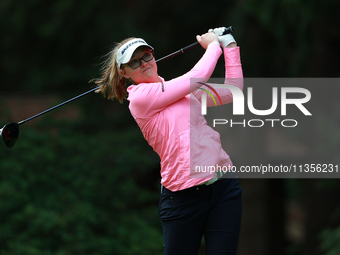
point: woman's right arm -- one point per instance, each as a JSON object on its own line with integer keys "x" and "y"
{"x": 150, "y": 98}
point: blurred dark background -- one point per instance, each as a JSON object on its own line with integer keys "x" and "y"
{"x": 82, "y": 179}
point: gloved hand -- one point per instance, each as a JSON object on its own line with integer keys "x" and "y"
{"x": 224, "y": 40}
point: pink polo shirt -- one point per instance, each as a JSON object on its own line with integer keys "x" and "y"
{"x": 171, "y": 120}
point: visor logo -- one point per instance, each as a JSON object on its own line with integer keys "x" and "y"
{"x": 130, "y": 44}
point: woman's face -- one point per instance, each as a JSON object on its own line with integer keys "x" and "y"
{"x": 146, "y": 72}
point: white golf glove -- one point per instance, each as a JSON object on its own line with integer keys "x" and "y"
{"x": 224, "y": 40}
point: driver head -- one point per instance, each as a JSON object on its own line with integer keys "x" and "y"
{"x": 10, "y": 134}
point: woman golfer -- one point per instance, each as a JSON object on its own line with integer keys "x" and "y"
{"x": 192, "y": 204}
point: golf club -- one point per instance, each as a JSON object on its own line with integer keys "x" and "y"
{"x": 10, "y": 132}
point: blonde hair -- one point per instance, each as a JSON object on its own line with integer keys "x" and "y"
{"x": 112, "y": 84}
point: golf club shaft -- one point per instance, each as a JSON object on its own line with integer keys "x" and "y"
{"x": 88, "y": 92}
{"x": 228, "y": 30}
{"x": 178, "y": 52}
{"x": 189, "y": 47}
{"x": 57, "y": 106}
{"x": 74, "y": 98}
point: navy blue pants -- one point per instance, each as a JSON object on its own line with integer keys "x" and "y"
{"x": 213, "y": 211}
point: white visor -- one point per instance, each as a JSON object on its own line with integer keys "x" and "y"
{"x": 126, "y": 51}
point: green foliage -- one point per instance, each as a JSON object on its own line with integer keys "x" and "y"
{"x": 64, "y": 191}
{"x": 330, "y": 241}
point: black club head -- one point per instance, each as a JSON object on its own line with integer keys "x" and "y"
{"x": 10, "y": 134}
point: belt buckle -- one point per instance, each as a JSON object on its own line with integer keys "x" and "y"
{"x": 211, "y": 181}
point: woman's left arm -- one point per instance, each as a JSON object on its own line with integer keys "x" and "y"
{"x": 232, "y": 59}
